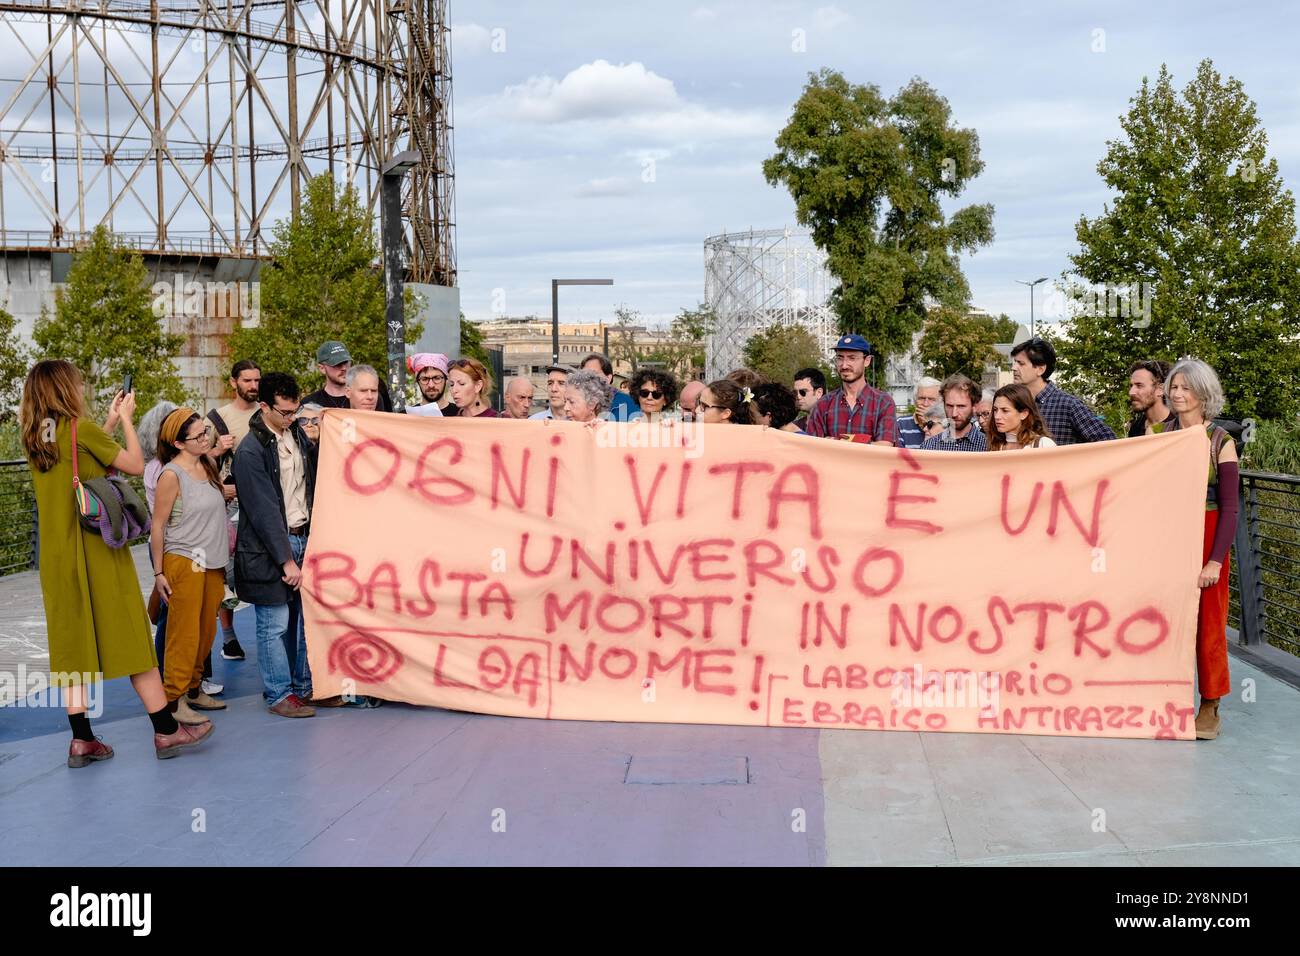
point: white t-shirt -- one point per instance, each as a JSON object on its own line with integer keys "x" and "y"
{"x": 1042, "y": 442}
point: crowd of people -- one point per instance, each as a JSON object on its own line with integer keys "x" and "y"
{"x": 232, "y": 495}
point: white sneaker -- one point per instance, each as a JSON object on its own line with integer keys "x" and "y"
{"x": 211, "y": 687}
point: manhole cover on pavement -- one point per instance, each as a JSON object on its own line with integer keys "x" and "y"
{"x": 688, "y": 769}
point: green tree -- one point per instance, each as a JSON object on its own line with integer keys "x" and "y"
{"x": 868, "y": 176}
{"x": 324, "y": 283}
{"x": 781, "y": 349}
{"x": 954, "y": 341}
{"x": 681, "y": 351}
{"x": 471, "y": 342}
{"x": 623, "y": 347}
{"x": 1003, "y": 327}
{"x": 14, "y": 362}
{"x": 105, "y": 323}
{"x": 1199, "y": 216}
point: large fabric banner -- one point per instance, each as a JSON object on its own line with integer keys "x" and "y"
{"x": 738, "y": 575}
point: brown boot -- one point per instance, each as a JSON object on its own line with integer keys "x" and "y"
{"x": 202, "y": 701}
{"x": 185, "y": 715}
{"x": 1207, "y": 719}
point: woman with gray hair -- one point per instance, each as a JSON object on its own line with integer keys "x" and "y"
{"x": 148, "y": 432}
{"x": 586, "y": 396}
{"x": 309, "y": 414}
{"x": 1194, "y": 393}
{"x": 933, "y": 421}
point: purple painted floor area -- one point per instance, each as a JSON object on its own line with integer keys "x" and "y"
{"x": 404, "y": 785}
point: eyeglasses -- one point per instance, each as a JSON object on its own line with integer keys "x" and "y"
{"x": 201, "y": 436}
{"x": 930, "y": 425}
{"x": 802, "y": 392}
{"x": 312, "y": 422}
{"x": 285, "y": 413}
{"x": 437, "y": 377}
{"x": 699, "y": 405}
{"x": 651, "y": 393}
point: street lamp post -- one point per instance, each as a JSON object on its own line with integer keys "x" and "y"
{"x": 1031, "y": 300}
{"x": 555, "y": 309}
{"x": 391, "y": 237}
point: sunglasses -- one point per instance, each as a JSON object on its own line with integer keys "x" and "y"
{"x": 651, "y": 393}
{"x": 930, "y": 425}
{"x": 802, "y": 392}
{"x": 309, "y": 422}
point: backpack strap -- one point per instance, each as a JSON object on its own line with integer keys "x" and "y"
{"x": 217, "y": 423}
{"x": 76, "y": 477}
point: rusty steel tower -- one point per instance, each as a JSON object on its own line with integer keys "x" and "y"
{"x": 189, "y": 126}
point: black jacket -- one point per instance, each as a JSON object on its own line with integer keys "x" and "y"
{"x": 262, "y": 546}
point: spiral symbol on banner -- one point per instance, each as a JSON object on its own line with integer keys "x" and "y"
{"x": 364, "y": 657}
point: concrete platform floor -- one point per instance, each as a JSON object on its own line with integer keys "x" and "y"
{"x": 418, "y": 786}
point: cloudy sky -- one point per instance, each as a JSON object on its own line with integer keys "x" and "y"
{"x": 610, "y": 139}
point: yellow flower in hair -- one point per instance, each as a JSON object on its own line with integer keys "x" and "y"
{"x": 747, "y": 395}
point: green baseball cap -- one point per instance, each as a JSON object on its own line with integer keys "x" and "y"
{"x": 332, "y": 354}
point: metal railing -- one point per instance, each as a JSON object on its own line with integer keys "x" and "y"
{"x": 144, "y": 242}
{"x": 1265, "y": 606}
{"x": 19, "y": 522}
{"x": 18, "y": 530}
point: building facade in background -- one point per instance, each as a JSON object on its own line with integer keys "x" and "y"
{"x": 525, "y": 345}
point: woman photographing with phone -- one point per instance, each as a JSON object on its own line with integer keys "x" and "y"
{"x": 93, "y": 608}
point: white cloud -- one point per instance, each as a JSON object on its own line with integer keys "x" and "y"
{"x": 704, "y": 13}
{"x": 469, "y": 38}
{"x": 626, "y": 99}
{"x": 592, "y": 91}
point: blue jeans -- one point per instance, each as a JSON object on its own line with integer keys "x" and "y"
{"x": 282, "y": 643}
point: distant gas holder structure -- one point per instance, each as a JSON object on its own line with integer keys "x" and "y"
{"x": 760, "y": 278}
{"x": 189, "y": 127}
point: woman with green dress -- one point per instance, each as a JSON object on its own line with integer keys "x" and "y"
{"x": 94, "y": 611}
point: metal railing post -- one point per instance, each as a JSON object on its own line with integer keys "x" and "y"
{"x": 1249, "y": 577}
{"x": 35, "y": 563}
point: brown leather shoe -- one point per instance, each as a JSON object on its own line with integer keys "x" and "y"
{"x": 292, "y": 706}
{"x": 82, "y": 752}
{"x": 335, "y": 701}
{"x": 187, "y": 735}
{"x": 1207, "y": 719}
{"x": 202, "y": 701}
{"x": 184, "y": 715}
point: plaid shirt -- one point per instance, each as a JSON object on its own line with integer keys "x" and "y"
{"x": 873, "y": 415}
{"x": 1069, "y": 420}
{"x": 973, "y": 440}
